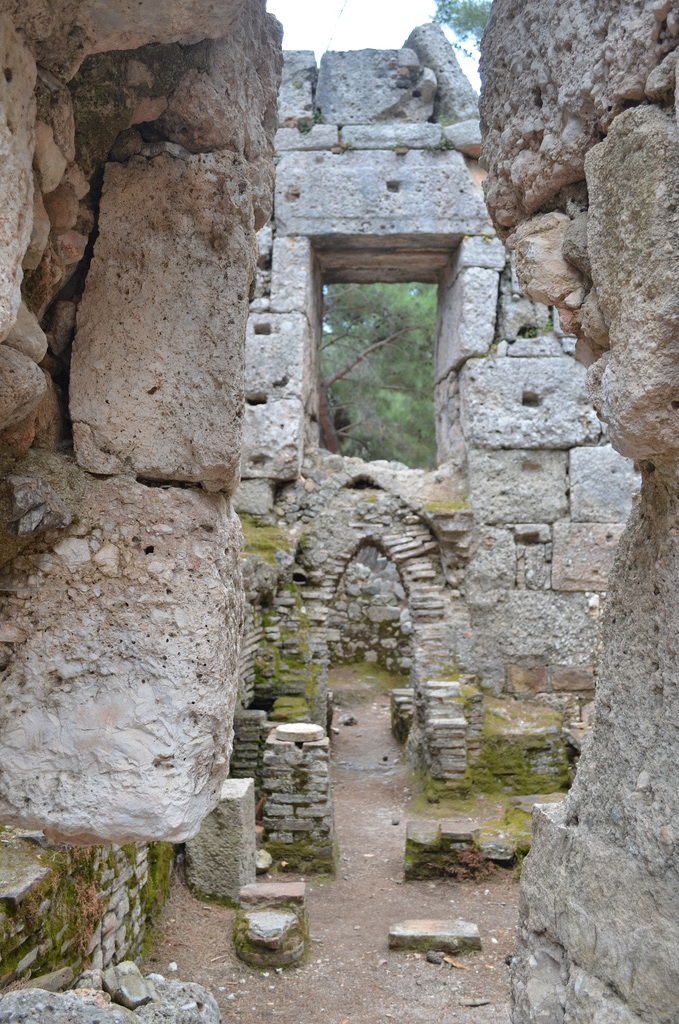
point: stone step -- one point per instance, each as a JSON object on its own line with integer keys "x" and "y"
{"x": 446, "y": 936}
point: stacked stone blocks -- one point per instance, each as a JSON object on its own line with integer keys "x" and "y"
{"x": 64, "y": 906}
{"x": 298, "y": 811}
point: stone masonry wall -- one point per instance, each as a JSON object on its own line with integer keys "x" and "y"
{"x": 369, "y": 619}
{"x": 527, "y": 506}
{"x": 583, "y": 129}
{"x": 71, "y": 907}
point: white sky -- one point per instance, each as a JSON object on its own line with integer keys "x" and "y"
{"x": 322, "y": 25}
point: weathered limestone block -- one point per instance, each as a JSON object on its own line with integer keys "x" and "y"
{"x": 515, "y": 486}
{"x": 22, "y": 386}
{"x": 465, "y": 136}
{"x": 27, "y": 336}
{"x": 481, "y": 251}
{"x": 552, "y": 88}
{"x": 64, "y": 36}
{"x": 296, "y": 93}
{"x": 362, "y": 86}
{"x": 633, "y": 232}
{"x": 273, "y": 439}
{"x": 220, "y": 860}
{"x": 127, "y": 987}
{"x": 423, "y": 934}
{"x": 272, "y": 925}
{"x": 278, "y": 357}
{"x": 449, "y": 440}
{"x": 38, "y": 1007}
{"x": 177, "y": 1002}
{"x": 156, "y": 375}
{"x": 17, "y": 116}
{"x": 385, "y": 136}
{"x": 543, "y": 272}
{"x": 542, "y": 627}
{"x": 455, "y": 98}
{"x": 254, "y": 497}
{"x": 295, "y": 286}
{"x": 602, "y": 484}
{"x": 232, "y": 105}
{"x": 467, "y": 308}
{"x": 526, "y": 403}
{"x": 35, "y": 506}
{"x": 378, "y": 193}
{"x": 517, "y": 313}
{"x": 121, "y": 675}
{"x": 583, "y": 555}
{"x": 321, "y": 136}
{"x": 599, "y": 885}
{"x": 493, "y": 566}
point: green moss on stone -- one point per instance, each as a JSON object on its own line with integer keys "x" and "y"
{"x": 506, "y": 763}
{"x": 290, "y": 709}
{"x": 263, "y": 540}
{"x": 446, "y": 506}
{"x": 302, "y": 857}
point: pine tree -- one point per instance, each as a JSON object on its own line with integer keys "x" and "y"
{"x": 377, "y": 372}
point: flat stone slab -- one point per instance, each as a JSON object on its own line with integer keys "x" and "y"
{"x": 20, "y": 873}
{"x": 299, "y": 732}
{"x": 457, "y": 832}
{"x": 448, "y": 936}
{"x": 272, "y": 893}
{"x": 423, "y": 833}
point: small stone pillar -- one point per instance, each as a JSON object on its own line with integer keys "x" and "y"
{"x": 220, "y": 860}
{"x": 272, "y": 927}
{"x": 298, "y": 813}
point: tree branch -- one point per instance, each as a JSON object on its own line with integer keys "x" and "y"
{"x": 373, "y": 348}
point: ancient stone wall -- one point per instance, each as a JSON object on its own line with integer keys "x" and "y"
{"x": 520, "y": 522}
{"x": 121, "y": 407}
{"x": 580, "y": 140}
{"x": 132, "y": 192}
{"x": 62, "y": 908}
{"x": 369, "y": 618}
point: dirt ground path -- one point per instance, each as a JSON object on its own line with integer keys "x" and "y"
{"x": 350, "y": 977}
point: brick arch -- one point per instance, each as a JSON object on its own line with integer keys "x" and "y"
{"x": 355, "y": 519}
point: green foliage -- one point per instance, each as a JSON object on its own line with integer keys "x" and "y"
{"x": 382, "y": 409}
{"x": 467, "y": 18}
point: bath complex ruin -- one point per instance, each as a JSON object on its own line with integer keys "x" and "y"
{"x": 163, "y": 317}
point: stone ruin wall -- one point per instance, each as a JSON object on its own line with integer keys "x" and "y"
{"x": 509, "y": 543}
{"x": 132, "y": 194}
{"x": 580, "y": 141}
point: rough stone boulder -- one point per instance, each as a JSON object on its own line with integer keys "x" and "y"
{"x": 556, "y": 73}
{"x": 120, "y": 673}
{"x": 633, "y": 238}
{"x": 455, "y": 98}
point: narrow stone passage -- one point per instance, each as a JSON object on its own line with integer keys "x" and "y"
{"x": 350, "y": 976}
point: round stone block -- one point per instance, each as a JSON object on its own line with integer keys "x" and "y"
{"x": 299, "y": 732}
{"x": 269, "y": 938}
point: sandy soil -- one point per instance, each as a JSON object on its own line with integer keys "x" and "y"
{"x": 350, "y": 977}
